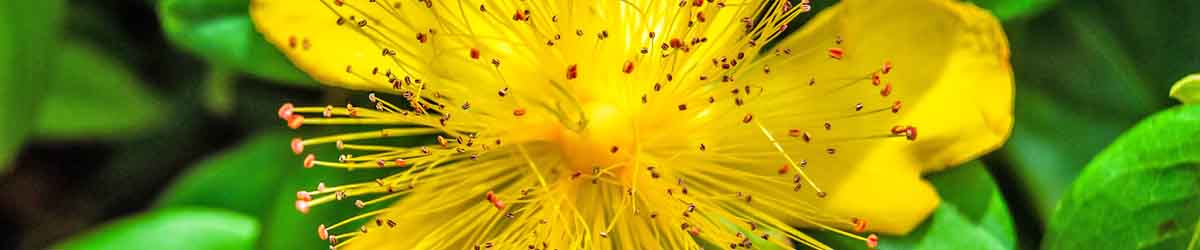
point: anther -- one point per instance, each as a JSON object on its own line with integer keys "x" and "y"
{"x": 519, "y": 112}
{"x": 821, "y": 194}
{"x": 896, "y": 107}
{"x": 858, "y": 106}
{"x": 322, "y": 232}
{"x": 872, "y": 241}
{"x": 503, "y": 92}
{"x": 302, "y": 206}
{"x": 286, "y": 111}
{"x": 295, "y": 121}
{"x": 836, "y": 53}
{"x": 613, "y": 150}
{"x": 628, "y": 68}
{"x": 297, "y": 146}
{"x": 421, "y": 37}
{"x": 573, "y": 71}
{"x": 475, "y": 53}
{"x": 860, "y": 225}
{"x": 784, "y": 169}
{"x": 309, "y": 160}
{"x": 492, "y": 198}
{"x": 682, "y": 107}
{"x": 359, "y": 203}
{"x": 400, "y": 162}
{"x": 303, "y": 195}
{"x": 702, "y": 148}
{"x": 887, "y": 90}
{"x": 887, "y": 67}
{"x": 747, "y": 118}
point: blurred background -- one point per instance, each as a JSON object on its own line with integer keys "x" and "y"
{"x": 116, "y": 108}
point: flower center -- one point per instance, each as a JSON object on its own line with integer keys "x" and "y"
{"x": 605, "y": 145}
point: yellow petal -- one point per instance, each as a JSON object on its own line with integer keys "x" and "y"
{"x": 953, "y": 75}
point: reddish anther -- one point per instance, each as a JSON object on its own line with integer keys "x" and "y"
{"x": 872, "y": 241}
{"x": 297, "y": 146}
{"x": 628, "y": 68}
{"x": 572, "y": 71}
{"x": 836, "y": 53}
{"x": 303, "y": 195}
{"x": 322, "y": 232}
{"x": 475, "y": 53}
{"x": 295, "y": 121}
{"x": 309, "y": 160}
{"x": 302, "y": 206}
{"x": 887, "y": 90}
{"x": 286, "y": 111}
{"x": 492, "y": 198}
{"x": 896, "y": 107}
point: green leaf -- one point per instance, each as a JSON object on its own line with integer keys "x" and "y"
{"x": 220, "y": 31}
{"x": 1187, "y": 90}
{"x": 94, "y": 95}
{"x": 260, "y": 178}
{"x": 1080, "y": 66}
{"x": 972, "y": 215}
{"x": 28, "y": 35}
{"x": 1142, "y": 192}
{"x": 173, "y": 228}
{"x": 1014, "y": 9}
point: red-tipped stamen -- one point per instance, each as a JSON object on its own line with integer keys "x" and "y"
{"x": 837, "y": 53}
{"x": 302, "y": 206}
{"x": 295, "y": 121}
{"x": 309, "y": 160}
{"x": 492, "y": 198}
{"x": 872, "y": 241}
{"x": 322, "y": 232}
{"x": 297, "y": 146}
{"x": 303, "y": 195}
{"x": 286, "y": 111}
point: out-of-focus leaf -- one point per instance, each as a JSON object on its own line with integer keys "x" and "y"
{"x": 28, "y": 33}
{"x": 261, "y": 178}
{"x": 219, "y": 89}
{"x": 172, "y": 228}
{"x": 1088, "y": 64}
{"x": 93, "y": 95}
{"x": 1013, "y": 9}
{"x": 1142, "y": 192}
{"x": 972, "y": 215}
{"x": 220, "y": 31}
{"x": 1187, "y": 90}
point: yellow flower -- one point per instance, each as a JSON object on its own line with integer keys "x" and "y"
{"x": 641, "y": 124}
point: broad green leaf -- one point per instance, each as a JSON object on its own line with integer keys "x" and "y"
{"x": 972, "y": 215}
{"x": 172, "y": 228}
{"x": 1142, "y": 192}
{"x": 1187, "y": 90}
{"x": 260, "y": 178}
{"x": 1014, "y": 9}
{"x": 28, "y": 35}
{"x": 1076, "y": 67}
{"x": 93, "y": 95}
{"x": 220, "y": 31}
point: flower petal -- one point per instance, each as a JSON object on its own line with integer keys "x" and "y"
{"x": 953, "y": 75}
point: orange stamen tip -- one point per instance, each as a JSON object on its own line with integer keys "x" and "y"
{"x": 492, "y": 198}
{"x": 475, "y": 53}
{"x": 860, "y": 225}
{"x": 784, "y": 169}
{"x": 572, "y": 71}
{"x": 896, "y": 107}
{"x": 519, "y": 112}
{"x": 872, "y": 241}
{"x": 400, "y": 162}
{"x": 628, "y": 68}
{"x": 837, "y": 53}
{"x": 297, "y": 145}
{"x": 322, "y": 232}
{"x": 304, "y": 196}
{"x": 875, "y": 79}
{"x": 295, "y": 121}
{"x": 912, "y": 133}
{"x": 286, "y": 110}
{"x": 309, "y": 160}
{"x": 887, "y": 67}
{"x": 302, "y": 206}
{"x": 887, "y": 90}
